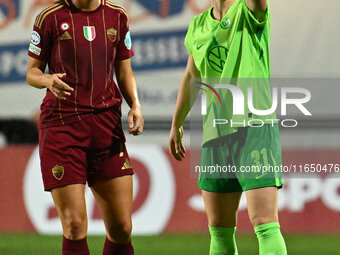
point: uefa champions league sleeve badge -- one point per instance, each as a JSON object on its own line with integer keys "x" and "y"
{"x": 128, "y": 41}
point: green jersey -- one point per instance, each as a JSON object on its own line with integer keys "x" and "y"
{"x": 233, "y": 51}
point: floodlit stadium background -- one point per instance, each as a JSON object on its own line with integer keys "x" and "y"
{"x": 305, "y": 44}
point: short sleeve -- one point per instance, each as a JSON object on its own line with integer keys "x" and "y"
{"x": 41, "y": 40}
{"x": 124, "y": 46}
{"x": 189, "y": 37}
{"x": 253, "y": 22}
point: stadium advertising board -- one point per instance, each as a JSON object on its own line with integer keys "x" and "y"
{"x": 166, "y": 199}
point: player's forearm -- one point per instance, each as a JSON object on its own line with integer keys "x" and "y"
{"x": 187, "y": 95}
{"x": 128, "y": 87}
{"x": 127, "y": 83}
{"x": 36, "y": 78}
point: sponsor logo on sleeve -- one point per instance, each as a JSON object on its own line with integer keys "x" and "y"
{"x": 35, "y": 49}
{"x": 127, "y": 41}
{"x": 35, "y": 38}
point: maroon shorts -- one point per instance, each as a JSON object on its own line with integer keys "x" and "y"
{"x": 90, "y": 149}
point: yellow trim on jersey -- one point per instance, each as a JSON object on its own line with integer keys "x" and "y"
{"x": 67, "y": 3}
{"x": 46, "y": 9}
{"x": 92, "y": 71}
{"x": 114, "y": 4}
{"x": 116, "y": 7}
{"x": 75, "y": 66}
{"x": 47, "y": 13}
{"x": 37, "y": 21}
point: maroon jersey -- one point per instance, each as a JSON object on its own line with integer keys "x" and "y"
{"x": 84, "y": 45}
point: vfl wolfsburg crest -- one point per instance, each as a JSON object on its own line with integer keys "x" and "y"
{"x": 217, "y": 56}
{"x": 89, "y": 33}
{"x": 225, "y": 23}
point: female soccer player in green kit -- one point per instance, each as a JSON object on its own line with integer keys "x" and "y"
{"x": 231, "y": 41}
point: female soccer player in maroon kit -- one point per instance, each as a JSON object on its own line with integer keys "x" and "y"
{"x": 84, "y": 42}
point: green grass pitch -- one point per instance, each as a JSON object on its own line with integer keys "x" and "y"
{"x": 169, "y": 244}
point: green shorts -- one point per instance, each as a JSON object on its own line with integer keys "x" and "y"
{"x": 248, "y": 159}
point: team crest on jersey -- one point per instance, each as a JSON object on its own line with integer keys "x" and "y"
{"x": 58, "y": 172}
{"x": 112, "y": 34}
{"x": 225, "y": 23}
{"x": 217, "y": 57}
{"x": 89, "y": 33}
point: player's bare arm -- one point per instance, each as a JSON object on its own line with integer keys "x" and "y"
{"x": 127, "y": 84}
{"x": 259, "y": 7}
{"x": 182, "y": 109}
{"x": 35, "y": 77}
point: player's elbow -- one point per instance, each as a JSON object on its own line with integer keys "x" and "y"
{"x": 28, "y": 77}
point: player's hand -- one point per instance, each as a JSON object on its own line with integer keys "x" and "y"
{"x": 136, "y": 121}
{"x": 176, "y": 147}
{"x": 59, "y": 88}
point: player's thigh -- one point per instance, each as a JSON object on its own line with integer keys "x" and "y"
{"x": 257, "y": 154}
{"x": 221, "y": 208}
{"x": 108, "y": 158}
{"x": 63, "y": 154}
{"x": 71, "y": 206}
{"x": 114, "y": 198}
{"x": 262, "y": 205}
{"x": 216, "y": 168}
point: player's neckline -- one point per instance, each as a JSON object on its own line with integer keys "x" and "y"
{"x": 225, "y": 15}
{"x": 75, "y": 8}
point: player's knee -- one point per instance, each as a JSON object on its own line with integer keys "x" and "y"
{"x": 227, "y": 221}
{"x": 259, "y": 220}
{"x": 75, "y": 226}
{"x": 121, "y": 232}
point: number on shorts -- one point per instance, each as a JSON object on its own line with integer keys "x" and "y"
{"x": 256, "y": 156}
